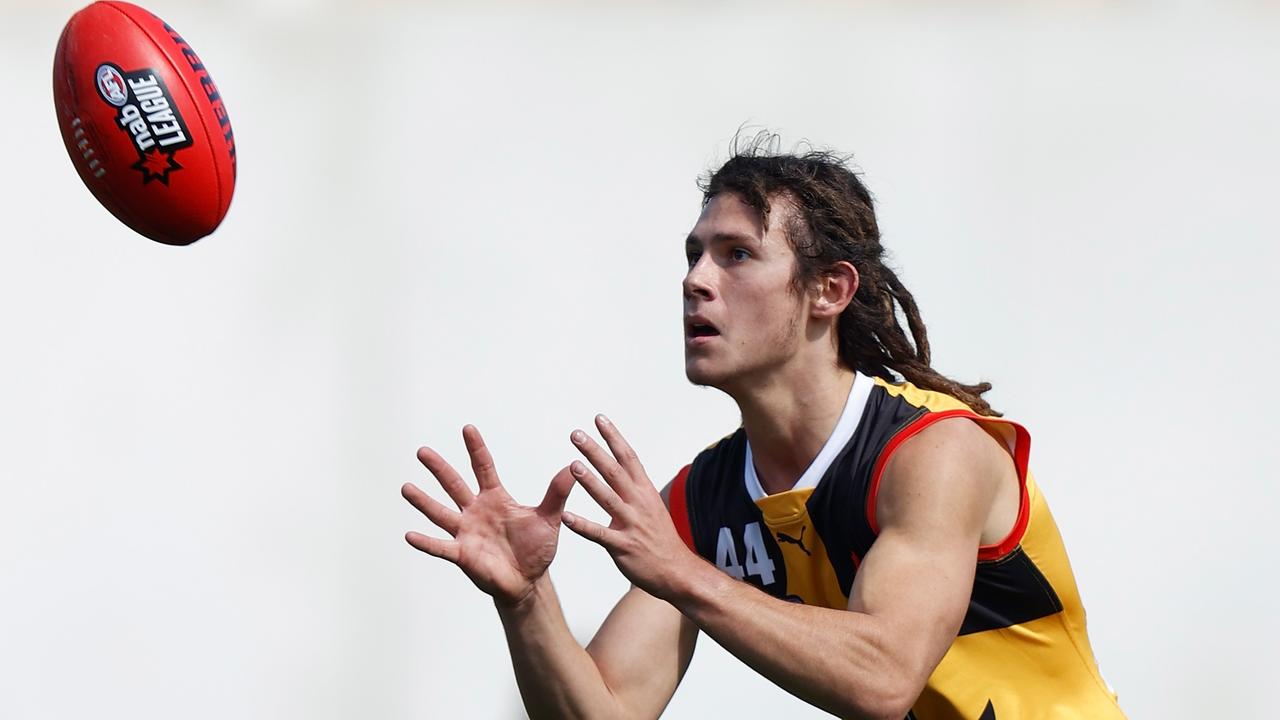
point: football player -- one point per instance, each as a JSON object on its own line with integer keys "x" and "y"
{"x": 870, "y": 539}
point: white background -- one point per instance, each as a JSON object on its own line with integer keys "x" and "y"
{"x": 475, "y": 213}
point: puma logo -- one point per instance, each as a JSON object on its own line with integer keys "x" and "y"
{"x": 785, "y": 538}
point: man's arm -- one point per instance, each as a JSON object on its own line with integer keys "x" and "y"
{"x": 632, "y": 667}
{"x": 905, "y": 607}
{"x": 629, "y": 670}
{"x": 644, "y": 648}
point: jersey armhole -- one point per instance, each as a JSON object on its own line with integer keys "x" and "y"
{"x": 678, "y": 506}
{"x": 1018, "y": 442}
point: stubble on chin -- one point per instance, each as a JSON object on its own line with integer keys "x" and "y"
{"x": 700, "y": 378}
{"x": 777, "y": 349}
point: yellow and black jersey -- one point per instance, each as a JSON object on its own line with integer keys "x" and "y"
{"x": 1022, "y": 651}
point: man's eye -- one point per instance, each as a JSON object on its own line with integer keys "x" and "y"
{"x": 692, "y": 257}
{"x": 739, "y": 255}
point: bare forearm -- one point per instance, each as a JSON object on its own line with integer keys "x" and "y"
{"x": 834, "y": 659}
{"x": 556, "y": 675}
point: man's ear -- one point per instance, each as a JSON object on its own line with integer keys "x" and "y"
{"x": 834, "y": 290}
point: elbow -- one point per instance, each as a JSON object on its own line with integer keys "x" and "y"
{"x": 892, "y": 679}
{"x": 896, "y": 705}
{"x": 893, "y": 701}
{"x": 890, "y": 696}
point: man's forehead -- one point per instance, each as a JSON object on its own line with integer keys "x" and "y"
{"x": 727, "y": 214}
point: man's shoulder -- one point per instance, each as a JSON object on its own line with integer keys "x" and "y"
{"x": 721, "y": 460}
{"x": 958, "y": 436}
{"x": 953, "y": 458}
{"x": 715, "y": 460}
{"x": 725, "y": 445}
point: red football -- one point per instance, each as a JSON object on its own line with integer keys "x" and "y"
{"x": 144, "y": 123}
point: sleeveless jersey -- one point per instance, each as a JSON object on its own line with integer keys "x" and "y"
{"x": 1022, "y": 651}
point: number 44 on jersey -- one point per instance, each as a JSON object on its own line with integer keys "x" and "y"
{"x": 758, "y": 561}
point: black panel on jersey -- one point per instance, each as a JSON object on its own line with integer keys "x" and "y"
{"x": 1007, "y": 592}
{"x": 837, "y": 505}
{"x": 717, "y": 497}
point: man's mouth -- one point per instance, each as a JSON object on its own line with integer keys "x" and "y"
{"x": 696, "y": 326}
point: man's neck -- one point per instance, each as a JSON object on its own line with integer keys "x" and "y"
{"x": 789, "y": 420}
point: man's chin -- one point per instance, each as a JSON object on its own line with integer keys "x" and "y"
{"x": 702, "y": 376}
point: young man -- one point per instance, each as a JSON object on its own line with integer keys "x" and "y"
{"x": 875, "y": 546}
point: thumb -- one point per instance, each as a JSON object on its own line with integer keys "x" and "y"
{"x": 557, "y": 493}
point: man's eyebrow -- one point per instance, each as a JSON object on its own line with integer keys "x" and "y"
{"x": 723, "y": 238}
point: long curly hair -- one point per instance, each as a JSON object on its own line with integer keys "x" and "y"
{"x": 834, "y": 220}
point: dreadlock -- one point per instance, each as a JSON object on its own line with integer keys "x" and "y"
{"x": 833, "y": 221}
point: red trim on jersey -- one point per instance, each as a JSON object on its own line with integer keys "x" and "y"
{"x": 1021, "y": 454}
{"x": 678, "y": 506}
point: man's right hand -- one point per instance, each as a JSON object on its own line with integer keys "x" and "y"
{"x": 503, "y": 546}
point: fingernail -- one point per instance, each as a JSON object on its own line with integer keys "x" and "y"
{"x": 603, "y": 420}
{"x": 578, "y": 437}
{"x": 577, "y": 468}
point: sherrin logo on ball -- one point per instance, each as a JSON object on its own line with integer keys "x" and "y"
{"x": 144, "y": 123}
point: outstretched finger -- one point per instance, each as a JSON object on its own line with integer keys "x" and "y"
{"x": 600, "y": 458}
{"x": 557, "y": 492}
{"x": 449, "y": 478}
{"x": 621, "y": 449}
{"x": 600, "y": 492}
{"x": 443, "y": 549}
{"x": 481, "y": 460}
{"x": 444, "y": 518}
{"x": 594, "y": 532}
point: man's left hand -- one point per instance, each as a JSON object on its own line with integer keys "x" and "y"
{"x": 641, "y": 537}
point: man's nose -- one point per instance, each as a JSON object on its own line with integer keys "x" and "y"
{"x": 698, "y": 281}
